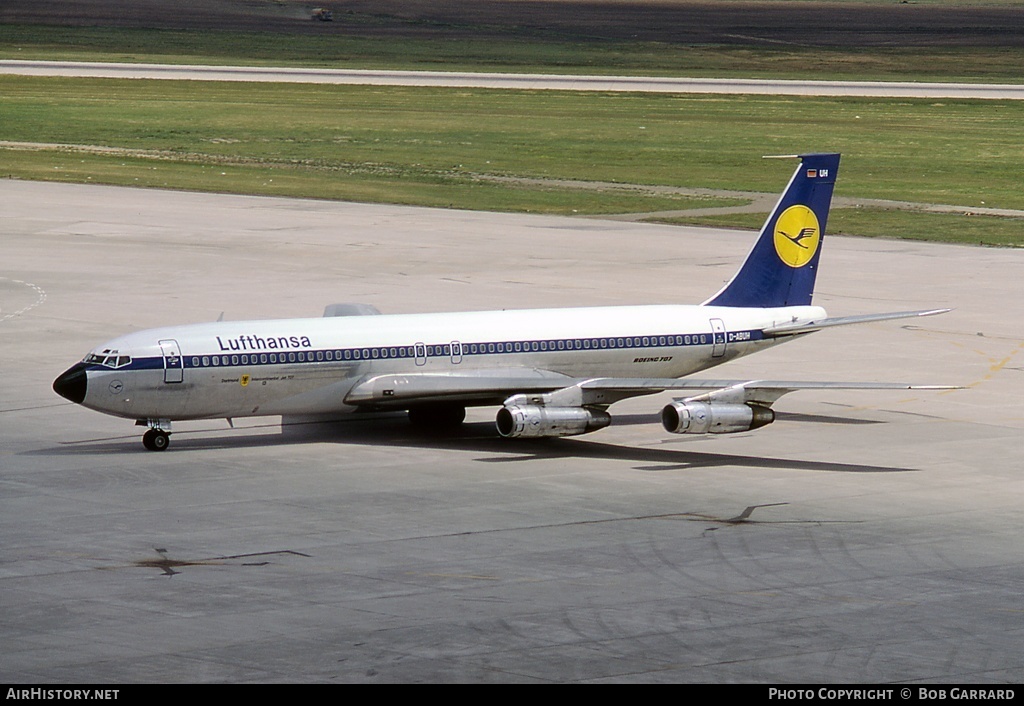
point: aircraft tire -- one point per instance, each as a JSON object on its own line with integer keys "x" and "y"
{"x": 156, "y": 440}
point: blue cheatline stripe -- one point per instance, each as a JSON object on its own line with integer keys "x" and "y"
{"x": 440, "y": 350}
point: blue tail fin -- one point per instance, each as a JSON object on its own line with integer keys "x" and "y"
{"x": 781, "y": 268}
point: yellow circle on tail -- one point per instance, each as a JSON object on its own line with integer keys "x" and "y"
{"x": 797, "y": 235}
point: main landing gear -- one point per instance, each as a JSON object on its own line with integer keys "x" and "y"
{"x": 159, "y": 435}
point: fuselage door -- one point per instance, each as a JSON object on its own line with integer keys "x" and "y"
{"x": 173, "y": 364}
{"x": 420, "y": 350}
{"x": 456, "y": 352}
{"x": 719, "y": 338}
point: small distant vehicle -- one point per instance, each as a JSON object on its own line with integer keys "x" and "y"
{"x": 323, "y": 14}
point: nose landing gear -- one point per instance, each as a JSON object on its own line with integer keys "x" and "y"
{"x": 156, "y": 439}
{"x": 159, "y": 435}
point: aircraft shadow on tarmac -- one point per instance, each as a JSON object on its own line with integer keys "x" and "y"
{"x": 394, "y": 430}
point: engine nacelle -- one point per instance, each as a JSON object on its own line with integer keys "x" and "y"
{"x": 707, "y": 418}
{"x": 531, "y": 421}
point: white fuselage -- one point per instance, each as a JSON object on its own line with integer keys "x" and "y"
{"x": 308, "y": 366}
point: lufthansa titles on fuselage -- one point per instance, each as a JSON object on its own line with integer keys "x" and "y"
{"x": 259, "y": 343}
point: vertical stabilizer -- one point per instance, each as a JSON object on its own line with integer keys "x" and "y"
{"x": 781, "y": 268}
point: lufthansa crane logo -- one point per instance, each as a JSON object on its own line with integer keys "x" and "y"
{"x": 797, "y": 235}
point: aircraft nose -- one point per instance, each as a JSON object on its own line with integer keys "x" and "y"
{"x": 72, "y": 384}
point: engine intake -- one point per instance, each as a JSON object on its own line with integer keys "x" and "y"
{"x": 531, "y": 421}
{"x": 691, "y": 417}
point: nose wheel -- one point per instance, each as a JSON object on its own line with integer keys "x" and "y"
{"x": 156, "y": 439}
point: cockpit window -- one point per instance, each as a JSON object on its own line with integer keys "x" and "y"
{"x": 108, "y": 359}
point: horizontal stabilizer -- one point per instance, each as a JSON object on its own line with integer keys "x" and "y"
{"x": 808, "y": 327}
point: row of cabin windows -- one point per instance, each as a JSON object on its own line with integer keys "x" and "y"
{"x": 446, "y": 350}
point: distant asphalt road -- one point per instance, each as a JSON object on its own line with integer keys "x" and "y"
{"x": 464, "y": 79}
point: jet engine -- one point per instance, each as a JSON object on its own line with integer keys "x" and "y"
{"x": 692, "y": 417}
{"x": 531, "y": 421}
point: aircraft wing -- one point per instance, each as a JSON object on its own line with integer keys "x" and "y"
{"x": 795, "y": 329}
{"x": 764, "y": 392}
{"x": 398, "y": 391}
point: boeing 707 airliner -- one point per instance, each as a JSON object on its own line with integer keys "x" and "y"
{"x": 550, "y": 372}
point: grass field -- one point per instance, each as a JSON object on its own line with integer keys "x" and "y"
{"x": 443, "y": 147}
